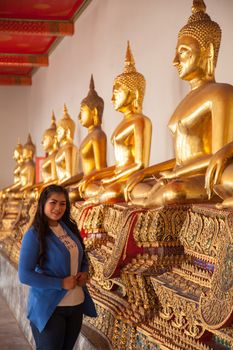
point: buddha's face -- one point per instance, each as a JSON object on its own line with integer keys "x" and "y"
{"x": 86, "y": 116}
{"x": 121, "y": 97}
{"x": 27, "y": 153}
{"x": 189, "y": 58}
{"x": 61, "y": 133}
{"x": 47, "y": 142}
{"x": 17, "y": 155}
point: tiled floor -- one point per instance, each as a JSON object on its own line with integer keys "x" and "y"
{"x": 11, "y": 337}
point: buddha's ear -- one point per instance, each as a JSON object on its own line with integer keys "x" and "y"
{"x": 135, "y": 102}
{"x": 68, "y": 133}
{"x": 95, "y": 116}
{"x": 210, "y": 60}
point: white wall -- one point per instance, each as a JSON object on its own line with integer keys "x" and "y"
{"x": 98, "y": 47}
{"x": 13, "y": 124}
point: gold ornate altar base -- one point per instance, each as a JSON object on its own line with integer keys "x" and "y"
{"x": 154, "y": 272}
{"x": 13, "y": 224}
{"x": 196, "y": 298}
{"x": 161, "y": 279}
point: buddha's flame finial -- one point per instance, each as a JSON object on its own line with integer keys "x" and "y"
{"x": 129, "y": 60}
{"x": 19, "y": 146}
{"x": 53, "y": 121}
{"x": 29, "y": 144}
{"x": 65, "y": 109}
{"x": 66, "y": 114}
{"x": 198, "y": 6}
{"x": 29, "y": 139}
{"x": 92, "y": 84}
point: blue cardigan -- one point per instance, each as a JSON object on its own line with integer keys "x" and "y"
{"x": 46, "y": 283}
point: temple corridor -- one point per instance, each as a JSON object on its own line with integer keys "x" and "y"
{"x": 11, "y": 337}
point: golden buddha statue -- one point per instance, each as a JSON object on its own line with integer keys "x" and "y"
{"x": 48, "y": 168}
{"x": 93, "y": 149}
{"x": 201, "y": 124}
{"x": 131, "y": 139}
{"x": 50, "y": 146}
{"x": 219, "y": 175}
{"x": 67, "y": 155}
{"x": 27, "y": 174}
{"x": 18, "y": 157}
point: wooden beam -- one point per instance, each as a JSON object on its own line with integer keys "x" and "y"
{"x": 24, "y": 60}
{"x": 28, "y": 27}
{"x": 15, "y": 80}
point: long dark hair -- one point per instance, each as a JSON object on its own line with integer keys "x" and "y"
{"x": 40, "y": 221}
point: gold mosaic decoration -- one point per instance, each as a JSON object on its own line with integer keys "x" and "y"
{"x": 156, "y": 227}
{"x": 216, "y": 306}
{"x": 200, "y": 233}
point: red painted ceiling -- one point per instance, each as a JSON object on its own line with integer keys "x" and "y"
{"x": 28, "y": 31}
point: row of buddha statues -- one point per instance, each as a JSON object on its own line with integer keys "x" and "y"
{"x": 201, "y": 126}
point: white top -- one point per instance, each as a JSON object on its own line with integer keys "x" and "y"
{"x": 73, "y": 296}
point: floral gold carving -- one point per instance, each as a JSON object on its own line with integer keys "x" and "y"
{"x": 216, "y": 306}
{"x": 160, "y": 225}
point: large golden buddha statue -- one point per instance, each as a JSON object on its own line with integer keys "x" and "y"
{"x": 27, "y": 174}
{"x": 67, "y": 155}
{"x": 131, "y": 139}
{"x": 93, "y": 148}
{"x": 201, "y": 124}
{"x": 50, "y": 146}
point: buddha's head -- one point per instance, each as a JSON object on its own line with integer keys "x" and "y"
{"x": 198, "y": 45}
{"x": 65, "y": 128}
{"x": 92, "y": 107}
{"x": 29, "y": 149}
{"x": 18, "y": 153}
{"x": 129, "y": 87}
{"x": 49, "y": 137}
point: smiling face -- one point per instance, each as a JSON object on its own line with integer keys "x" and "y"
{"x": 55, "y": 207}
{"x": 189, "y": 59}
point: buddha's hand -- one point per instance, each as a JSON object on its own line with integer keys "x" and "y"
{"x": 168, "y": 175}
{"x": 132, "y": 181}
{"x": 107, "y": 180}
{"x": 81, "y": 278}
{"x": 83, "y": 185}
{"x": 82, "y": 188}
{"x": 216, "y": 167}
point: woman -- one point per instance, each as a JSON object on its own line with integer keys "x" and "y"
{"x": 53, "y": 262}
